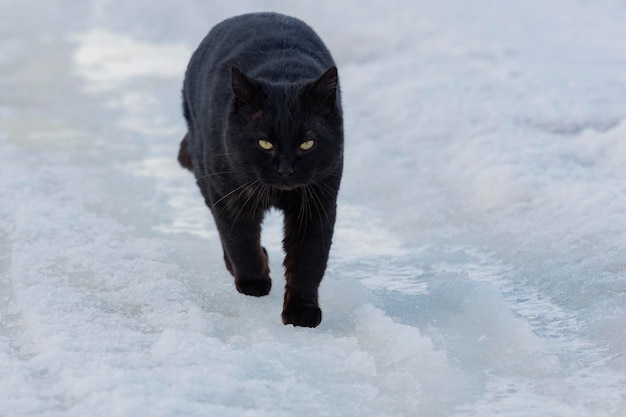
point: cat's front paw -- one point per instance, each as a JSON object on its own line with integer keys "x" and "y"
{"x": 255, "y": 287}
{"x": 302, "y": 313}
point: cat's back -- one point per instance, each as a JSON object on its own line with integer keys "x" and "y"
{"x": 257, "y": 40}
{"x": 269, "y": 46}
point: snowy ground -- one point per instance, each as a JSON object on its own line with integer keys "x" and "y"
{"x": 479, "y": 267}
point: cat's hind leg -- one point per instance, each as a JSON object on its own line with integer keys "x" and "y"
{"x": 184, "y": 157}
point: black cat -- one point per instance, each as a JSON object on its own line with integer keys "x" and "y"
{"x": 265, "y": 129}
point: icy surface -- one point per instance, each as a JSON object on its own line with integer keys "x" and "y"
{"x": 479, "y": 265}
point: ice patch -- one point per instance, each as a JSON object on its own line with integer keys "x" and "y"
{"x": 361, "y": 234}
{"x": 495, "y": 337}
{"x": 604, "y": 149}
{"x": 106, "y": 58}
{"x": 176, "y": 188}
{"x": 497, "y": 187}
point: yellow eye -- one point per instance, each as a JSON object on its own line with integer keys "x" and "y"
{"x": 266, "y": 145}
{"x": 305, "y": 146}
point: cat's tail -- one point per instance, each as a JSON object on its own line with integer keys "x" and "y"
{"x": 184, "y": 158}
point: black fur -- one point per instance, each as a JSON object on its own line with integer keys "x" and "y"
{"x": 267, "y": 76}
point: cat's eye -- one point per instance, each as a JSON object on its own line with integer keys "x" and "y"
{"x": 305, "y": 146}
{"x": 266, "y": 145}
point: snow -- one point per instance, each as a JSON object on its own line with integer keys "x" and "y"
{"x": 478, "y": 265}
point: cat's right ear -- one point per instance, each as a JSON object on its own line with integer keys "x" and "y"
{"x": 324, "y": 89}
{"x": 247, "y": 92}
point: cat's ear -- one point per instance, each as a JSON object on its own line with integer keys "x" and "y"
{"x": 324, "y": 89}
{"x": 247, "y": 92}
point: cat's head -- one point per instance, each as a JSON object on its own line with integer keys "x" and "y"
{"x": 286, "y": 135}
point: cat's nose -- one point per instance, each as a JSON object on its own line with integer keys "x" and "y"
{"x": 285, "y": 169}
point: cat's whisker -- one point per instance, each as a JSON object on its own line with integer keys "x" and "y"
{"x": 260, "y": 198}
{"x": 302, "y": 214}
{"x": 252, "y": 192}
{"x": 327, "y": 190}
{"x": 267, "y": 201}
{"x": 232, "y": 192}
{"x": 206, "y": 177}
{"x": 349, "y": 178}
{"x": 319, "y": 205}
{"x": 214, "y": 174}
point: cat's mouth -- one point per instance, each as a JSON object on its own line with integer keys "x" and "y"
{"x": 286, "y": 187}
{"x": 286, "y": 184}
{"x": 282, "y": 183}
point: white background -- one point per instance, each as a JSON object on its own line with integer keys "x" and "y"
{"x": 479, "y": 261}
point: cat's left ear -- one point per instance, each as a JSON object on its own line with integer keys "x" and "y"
{"x": 324, "y": 89}
{"x": 246, "y": 90}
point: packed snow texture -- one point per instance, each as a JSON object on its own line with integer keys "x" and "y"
{"x": 479, "y": 260}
